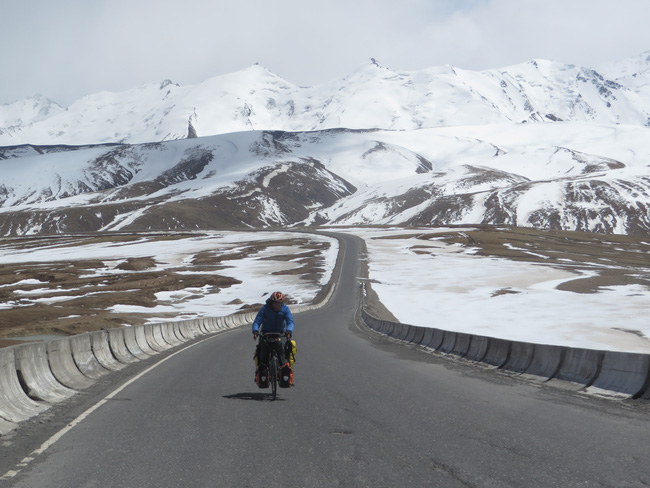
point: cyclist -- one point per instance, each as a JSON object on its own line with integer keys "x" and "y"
{"x": 274, "y": 316}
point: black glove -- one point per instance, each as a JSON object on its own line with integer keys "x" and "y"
{"x": 255, "y": 336}
{"x": 288, "y": 335}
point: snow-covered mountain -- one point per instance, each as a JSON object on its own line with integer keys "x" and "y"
{"x": 538, "y": 144}
{"x": 371, "y": 97}
{"x": 570, "y": 175}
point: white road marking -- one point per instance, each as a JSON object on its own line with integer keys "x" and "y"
{"x": 47, "y": 444}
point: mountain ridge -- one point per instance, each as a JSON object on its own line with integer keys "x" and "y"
{"x": 373, "y": 96}
{"x": 258, "y": 179}
{"x": 538, "y": 144}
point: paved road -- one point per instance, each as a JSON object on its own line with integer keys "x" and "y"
{"x": 365, "y": 412}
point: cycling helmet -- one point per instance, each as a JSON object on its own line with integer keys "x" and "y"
{"x": 278, "y": 296}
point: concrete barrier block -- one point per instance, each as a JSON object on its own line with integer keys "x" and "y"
{"x": 410, "y": 333}
{"x": 221, "y": 323}
{"x": 37, "y": 379}
{"x": 84, "y": 358}
{"x": 186, "y": 330}
{"x": 204, "y": 325}
{"x": 546, "y": 360}
{"x": 132, "y": 341}
{"x": 142, "y": 339}
{"x": 624, "y": 372}
{"x": 436, "y": 339}
{"x": 182, "y": 334}
{"x": 477, "y": 348}
{"x": 406, "y": 330}
{"x": 461, "y": 346}
{"x": 156, "y": 330}
{"x": 385, "y": 326}
{"x": 169, "y": 335}
{"x": 419, "y": 334}
{"x": 117, "y": 343}
{"x": 427, "y": 336}
{"x": 99, "y": 342}
{"x": 398, "y": 331}
{"x": 212, "y": 325}
{"x": 498, "y": 352}
{"x": 581, "y": 366}
{"x": 152, "y": 341}
{"x": 15, "y": 405}
{"x": 448, "y": 341}
{"x": 372, "y": 322}
{"x": 63, "y": 366}
{"x": 521, "y": 355}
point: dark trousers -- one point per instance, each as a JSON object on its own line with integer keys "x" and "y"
{"x": 264, "y": 351}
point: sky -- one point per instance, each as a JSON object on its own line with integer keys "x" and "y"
{"x": 70, "y": 48}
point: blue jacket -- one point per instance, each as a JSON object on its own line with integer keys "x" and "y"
{"x": 272, "y": 321}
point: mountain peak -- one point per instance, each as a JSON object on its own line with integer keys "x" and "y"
{"x": 166, "y": 83}
{"x": 376, "y": 63}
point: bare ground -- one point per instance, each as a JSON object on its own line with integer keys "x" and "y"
{"x": 90, "y": 294}
{"x": 618, "y": 260}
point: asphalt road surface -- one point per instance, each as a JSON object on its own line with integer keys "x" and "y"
{"x": 365, "y": 412}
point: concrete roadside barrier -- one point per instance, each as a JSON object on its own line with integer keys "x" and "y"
{"x": 64, "y": 369}
{"x": 546, "y": 360}
{"x": 37, "y": 378}
{"x": 436, "y": 339}
{"x": 596, "y": 371}
{"x": 410, "y": 334}
{"x": 232, "y": 321}
{"x": 580, "y": 366}
{"x": 477, "y": 348}
{"x": 156, "y": 330}
{"x": 149, "y": 339}
{"x": 84, "y": 358}
{"x": 427, "y": 336}
{"x": 15, "y": 405}
{"x": 178, "y": 332}
{"x": 208, "y": 325}
{"x": 448, "y": 341}
{"x": 188, "y": 329}
{"x": 221, "y": 323}
{"x": 214, "y": 324}
{"x": 384, "y": 326}
{"x": 419, "y": 334}
{"x": 403, "y": 332}
{"x": 624, "y": 373}
{"x": 99, "y": 342}
{"x": 167, "y": 329}
{"x": 117, "y": 343}
{"x": 133, "y": 343}
{"x": 371, "y": 321}
{"x": 203, "y": 327}
{"x": 461, "y": 346}
{"x": 498, "y": 352}
{"x": 521, "y": 355}
{"x": 390, "y": 327}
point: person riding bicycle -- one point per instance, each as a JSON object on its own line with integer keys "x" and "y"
{"x": 273, "y": 317}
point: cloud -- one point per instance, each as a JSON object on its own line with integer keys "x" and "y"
{"x": 70, "y": 48}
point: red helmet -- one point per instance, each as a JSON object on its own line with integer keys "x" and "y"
{"x": 278, "y": 296}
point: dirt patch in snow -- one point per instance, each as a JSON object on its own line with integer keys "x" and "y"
{"x": 75, "y": 296}
{"x": 598, "y": 260}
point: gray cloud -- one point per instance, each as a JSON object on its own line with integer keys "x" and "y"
{"x": 70, "y": 48}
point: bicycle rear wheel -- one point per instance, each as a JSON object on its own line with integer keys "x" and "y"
{"x": 274, "y": 372}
